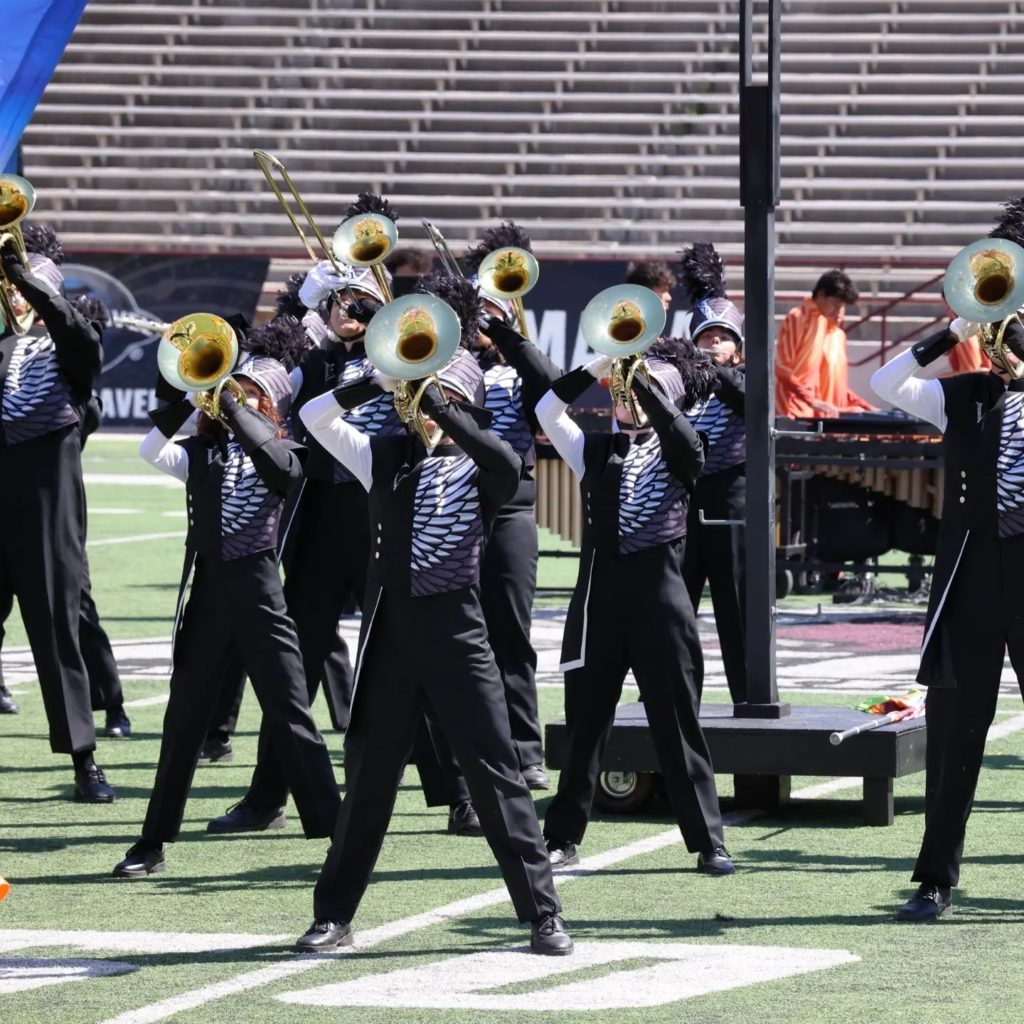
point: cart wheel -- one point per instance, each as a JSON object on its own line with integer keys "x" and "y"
{"x": 783, "y": 583}
{"x": 623, "y": 792}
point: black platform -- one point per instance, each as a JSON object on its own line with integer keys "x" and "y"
{"x": 764, "y": 753}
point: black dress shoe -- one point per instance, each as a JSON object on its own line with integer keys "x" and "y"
{"x": 324, "y": 936}
{"x": 91, "y": 786}
{"x": 216, "y": 752}
{"x": 144, "y": 858}
{"x": 117, "y": 726}
{"x": 929, "y": 903}
{"x": 717, "y": 862}
{"x": 243, "y": 817}
{"x": 8, "y": 705}
{"x": 464, "y": 821}
{"x": 562, "y": 855}
{"x": 549, "y": 937}
{"x": 535, "y": 777}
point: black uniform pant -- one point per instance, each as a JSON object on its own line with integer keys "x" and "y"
{"x": 508, "y": 582}
{"x": 240, "y": 603}
{"x": 42, "y": 510}
{"x": 434, "y": 647}
{"x": 715, "y": 555}
{"x": 639, "y": 618}
{"x": 100, "y": 664}
{"x": 105, "y": 691}
{"x": 326, "y": 575}
{"x": 985, "y": 609}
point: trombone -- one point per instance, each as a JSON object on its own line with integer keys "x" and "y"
{"x": 623, "y": 322}
{"x": 268, "y": 163}
{"x": 17, "y": 200}
{"x": 197, "y": 353}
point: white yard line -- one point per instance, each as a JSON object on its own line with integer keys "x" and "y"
{"x": 155, "y": 479}
{"x": 135, "y": 539}
{"x": 396, "y": 929}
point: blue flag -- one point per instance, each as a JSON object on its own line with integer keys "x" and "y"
{"x": 34, "y": 37}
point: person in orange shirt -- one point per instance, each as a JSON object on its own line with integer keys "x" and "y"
{"x": 811, "y": 367}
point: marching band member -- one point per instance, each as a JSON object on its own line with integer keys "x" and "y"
{"x": 46, "y": 381}
{"x": 514, "y": 381}
{"x": 330, "y": 544}
{"x": 237, "y": 479}
{"x": 654, "y": 275}
{"x": 630, "y": 608}
{"x": 973, "y": 615}
{"x": 715, "y": 554}
{"x": 424, "y": 637}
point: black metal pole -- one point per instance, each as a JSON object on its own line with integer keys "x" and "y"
{"x": 759, "y": 190}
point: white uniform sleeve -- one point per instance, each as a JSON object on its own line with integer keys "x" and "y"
{"x": 325, "y": 421}
{"x": 896, "y": 383}
{"x": 553, "y": 416}
{"x": 165, "y": 454}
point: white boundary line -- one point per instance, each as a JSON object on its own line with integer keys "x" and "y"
{"x": 384, "y": 933}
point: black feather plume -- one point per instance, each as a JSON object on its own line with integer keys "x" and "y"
{"x": 504, "y": 236}
{"x": 43, "y": 241}
{"x": 702, "y": 272}
{"x": 462, "y": 296}
{"x": 695, "y": 366}
{"x": 92, "y": 309}
{"x": 370, "y": 202}
{"x": 287, "y": 300}
{"x": 1010, "y": 223}
{"x": 282, "y": 338}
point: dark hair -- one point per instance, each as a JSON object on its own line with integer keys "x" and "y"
{"x": 836, "y": 285}
{"x": 211, "y": 429}
{"x": 412, "y": 261}
{"x": 656, "y": 276}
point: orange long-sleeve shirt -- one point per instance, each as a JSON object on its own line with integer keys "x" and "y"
{"x": 967, "y": 357}
{"x": 811, "y": 365}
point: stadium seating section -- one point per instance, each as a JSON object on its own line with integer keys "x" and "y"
{"x": 606, "y": 127}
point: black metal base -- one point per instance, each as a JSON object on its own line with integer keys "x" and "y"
{"x": 763, "y": 753}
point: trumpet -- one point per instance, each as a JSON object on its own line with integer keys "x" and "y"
{"x": 509, "y": 274}
{"x": 623, "y": 322}
{"x": 984, "y": 283}
{"x": 268, "y": 164}
{"x": 411, "y": 339}
{"x": 17, "y": 200}
{"x": 197, "y": 354}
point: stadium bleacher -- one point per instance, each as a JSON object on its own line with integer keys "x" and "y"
{"x": 606, "y": 127}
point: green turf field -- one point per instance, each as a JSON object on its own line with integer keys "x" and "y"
{"x": 813, "y": 887}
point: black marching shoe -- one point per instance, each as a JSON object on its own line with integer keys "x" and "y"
{"x": 548, "y": 936}
{"x": 216, "y": 752}
{"x": 929, "y": 903}
{"x": 535, "y": 777}
{"x": 463, "y": 820}
{"x": 8, "y": 705}
{"x": 243, "y": 817}
{"x": 562, "y": 855}
{"x": 143, "y": 859}
{"x": 717, "y": 862}
{"x": 91, "y": 786}
{"x": 117, "y": 726}
{"x": 325, "y": 936}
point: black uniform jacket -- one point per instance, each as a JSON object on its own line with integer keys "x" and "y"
{"x": 974, "y": 410}
{"x": 603, "y": 456}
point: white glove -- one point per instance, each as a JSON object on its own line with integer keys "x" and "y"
{"x": 963, "y": 329}
{"x": 319, "y": 283}
{"x": 385, "y": 383}
{"x": 599, "y": 367}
